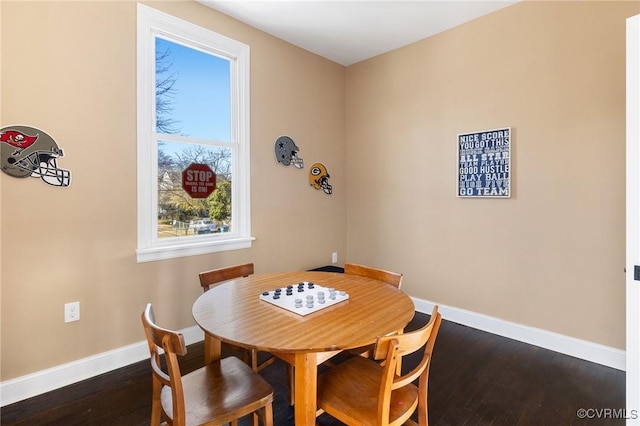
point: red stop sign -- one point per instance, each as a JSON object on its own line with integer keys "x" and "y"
{"x": 198, "y": 180}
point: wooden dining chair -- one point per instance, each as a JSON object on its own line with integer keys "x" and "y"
{"x": 218, "y": 393}
{"x": 219, "y": 275}
{"x": 361, "y": 391}
{"x": 392, "y": 278}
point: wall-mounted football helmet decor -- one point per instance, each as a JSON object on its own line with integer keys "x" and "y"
{"x": 319, "y": 177}
{"x": 287, "y": 152}
{"x": 27, "y": 151}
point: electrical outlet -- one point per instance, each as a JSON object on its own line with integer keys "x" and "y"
{"x": 334, "y": 257}
{"x": 71, "y": 311}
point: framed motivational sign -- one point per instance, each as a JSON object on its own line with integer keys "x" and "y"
{"x": 484, "y": 164}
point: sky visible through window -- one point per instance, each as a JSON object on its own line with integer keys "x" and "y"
{"x": 200, "y": 100}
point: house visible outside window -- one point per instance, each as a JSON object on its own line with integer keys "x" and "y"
{"x": 193, "y": 130}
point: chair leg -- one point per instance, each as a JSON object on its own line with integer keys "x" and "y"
{"x": 265, "y": 414}
{"x": 292, "y": 381}
{"x": 254, "y": 360}
{"x": 268, "y": 414}
{"x": 156, "y": 405}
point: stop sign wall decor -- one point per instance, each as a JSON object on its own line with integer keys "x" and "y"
{"x": 198, "y": 180}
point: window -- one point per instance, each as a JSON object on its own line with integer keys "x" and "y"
{"x": 193, "y": 126}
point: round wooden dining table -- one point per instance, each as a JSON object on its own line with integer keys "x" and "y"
{"x": 234, "y": 313}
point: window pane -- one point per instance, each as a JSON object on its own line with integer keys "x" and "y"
{"x": 192, "y": 92}
{"x": 193, "y": 107}
{"x": 178, "y": 213}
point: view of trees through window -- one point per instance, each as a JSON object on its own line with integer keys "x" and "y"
{"x": 193, "y": 125}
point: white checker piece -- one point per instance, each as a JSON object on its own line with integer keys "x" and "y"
{"x": 304, "y": 298}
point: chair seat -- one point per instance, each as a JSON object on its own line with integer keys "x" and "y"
{"x": 223, "y": 390}
{"x": 358, "y": 406}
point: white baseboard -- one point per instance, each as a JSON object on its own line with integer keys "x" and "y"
{"x": 593, "y": 352}
{"x": 37, "y": 383}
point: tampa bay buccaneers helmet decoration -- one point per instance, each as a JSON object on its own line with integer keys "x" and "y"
{"x": 27, "y": 151}
{"x": 287, "y": 152}
{"x": 319, "y": 177}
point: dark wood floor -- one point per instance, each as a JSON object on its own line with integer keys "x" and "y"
{"x": 476, "y": 379}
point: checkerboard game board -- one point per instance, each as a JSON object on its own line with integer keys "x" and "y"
{"x": 304, "y": 298}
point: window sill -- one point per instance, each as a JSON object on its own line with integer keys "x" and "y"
{"x": 176, "y": 250}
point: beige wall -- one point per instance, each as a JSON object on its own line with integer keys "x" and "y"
{"x": 552, "y": 256}
{"x": 69, "y": 68}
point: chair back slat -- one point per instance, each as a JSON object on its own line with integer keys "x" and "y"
{"x": 215, "y": 276}
{"x": 393, "y": 278}
{"x": 408, "y": 342}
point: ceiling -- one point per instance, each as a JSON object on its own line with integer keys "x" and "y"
{"x": 350, "y": 31}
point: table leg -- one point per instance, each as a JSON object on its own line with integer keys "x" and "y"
{"x": 306, "y": 380}
{"x": 212, "y": 349}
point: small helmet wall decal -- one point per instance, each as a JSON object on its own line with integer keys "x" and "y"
{"x": 287, "y": 152}
{"x": 319, "y": 177}
{"x": 30, "y": 152}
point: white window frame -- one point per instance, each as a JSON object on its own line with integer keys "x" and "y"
{"x": 151, "y": 23}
